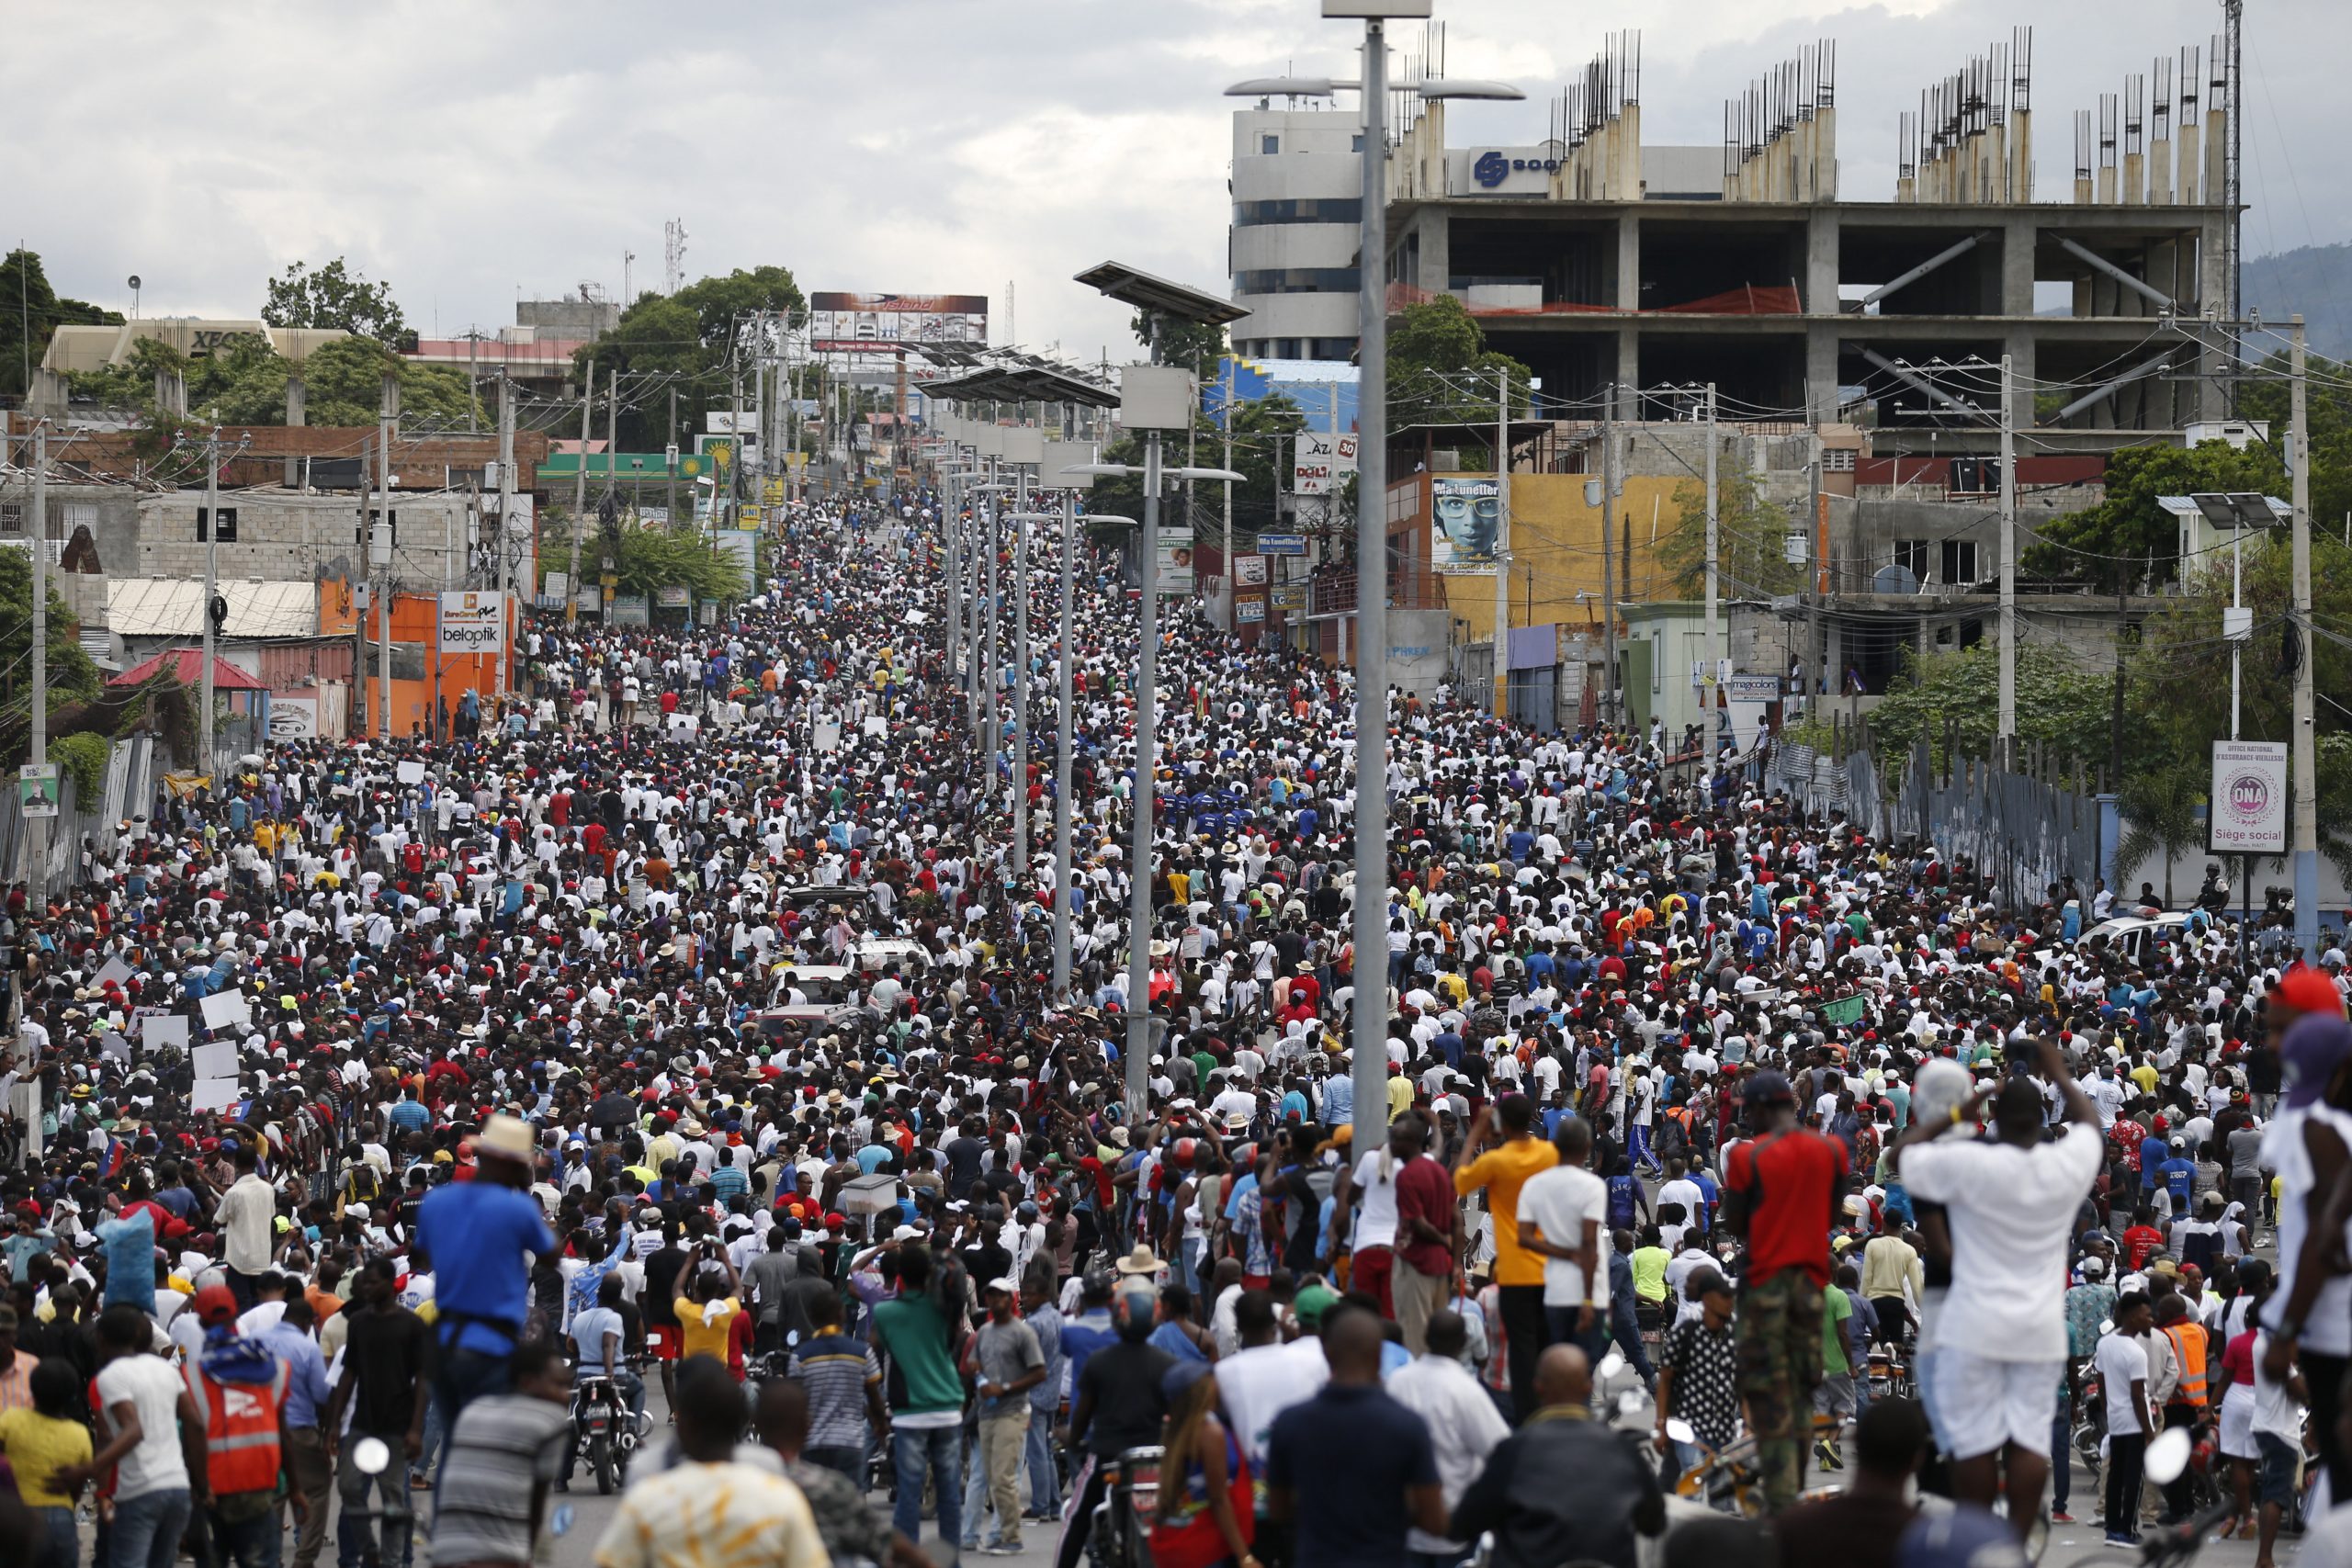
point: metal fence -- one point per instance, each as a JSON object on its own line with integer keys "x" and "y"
{"x": 1820, "y": 783}
{"x": 2024, "y": 833}
{"x": 127, "y": 790}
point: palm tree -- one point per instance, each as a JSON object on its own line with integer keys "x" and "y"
{"x": 2159, "y": 809}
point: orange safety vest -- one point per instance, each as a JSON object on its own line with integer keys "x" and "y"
{"x": 2188, "y": 1348}
{"x": 241, "y": 1446}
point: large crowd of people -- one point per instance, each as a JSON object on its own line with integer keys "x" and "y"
{"x": 686, "y": 1021}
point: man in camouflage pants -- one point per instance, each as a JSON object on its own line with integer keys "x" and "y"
{"x": 1782, "y": 1193}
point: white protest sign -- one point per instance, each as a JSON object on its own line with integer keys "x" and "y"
{"x": 226, "y": 1010}
{"x": 213, "y": 1094}
{"x": 114, "y": 973}
{"x": 160, "y": 1030}
{"x": 214, "y": 1059}
{"x": 115, "y": 1045}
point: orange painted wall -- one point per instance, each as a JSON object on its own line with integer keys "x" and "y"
{"x": 413, "y": 623}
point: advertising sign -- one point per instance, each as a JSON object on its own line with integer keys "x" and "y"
{"x": 1752, "y": 689}
{"x": 2248, "y": 814}
{"x": 294, "y": 715}
{"x": 1282, "y": 543}
{"x": 675, "y": 597}
{"x": 1249, "y": 571}
{"x": 36, "y": 789}
{"x": 630, "y": 610}
{"x": 1467, "y": 535}
{"x": 1320, "y": 462}
{"x": 1173, "y": 573}
{"x": 1287, "y": 596}
{"x": 863, "y": 330}
{"x": 473, "y": 621}
{"x": 1248, "y": 609}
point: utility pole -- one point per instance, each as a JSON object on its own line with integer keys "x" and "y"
{"x": 36, "y": 828}
{"x": 1232, "y": 584}
{"x": 613, "y": 435}
{"x": 356, "y": 709}
{"x": 1501, "y": 682}
{"x": 2007, "y": 731}
{"x": 579, "y": 496}
{"x": 2304, "y": 762}
{"x": 509, "y": 623}
{"x": 669, "y": 461}
{"x": 1608, "y": 554}
{"x": 1714, "y": 683}
{"x": 382, "y": 596}
{"x": 1816, "y": 678}
{"x": 211, "y": 539}
{"x": 1063, "y": 874}
{"x": 1020, "y": 775}
{"x": 473, "y": 379}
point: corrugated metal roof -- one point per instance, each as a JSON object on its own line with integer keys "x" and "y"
{"x": 162, "y": 606}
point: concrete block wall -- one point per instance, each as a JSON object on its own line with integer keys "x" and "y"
{"x": 289, "y": 538}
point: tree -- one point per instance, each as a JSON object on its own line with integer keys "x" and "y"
{"x": 343, "y": 384}
{"x": 719, "y": 304}
{"x": 656, "y": 345}
{"x": 71, "y": 675}
{"x": 1750, "y": 533}
{"x": 29, "y": 305}
{"x": 1188, "y": 344}
{"x": 1440, "y": 372}
{"x": 335, "y": 295}
{"x": 653, "y": 557}
{"x": 2160, "y": 806}
{"x": 2059, "y": 704}
{"x": 2128, "y": 538}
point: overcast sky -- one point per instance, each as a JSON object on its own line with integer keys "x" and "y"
{"x": 473, "y": 152}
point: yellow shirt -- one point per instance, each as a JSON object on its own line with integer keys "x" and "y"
{"x": 38, "y": 1447}
{"x": 705, "y": 1324}
{"x": 1502, "y": 1171}
{"x": 1400, "y": 1097}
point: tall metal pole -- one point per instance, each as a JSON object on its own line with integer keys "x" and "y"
{"x": 580, "y": 495}
{"x": 1064, "y": 873}
{"x": 383, "y": 599}
{"x": 1501, "y": 672}
{"x": 212, "y": 538}
{"x": 1714, "y": 687}
{"x": 1232, "y": 585}
{"x": 990, "y": 650}
{"x": 951, "y": 569}
{"x": 612, "y": 433}
{"x": 2305, "y": 763}
{"x": 356, "y": 709}
{"x": 1368, "y": 1023}
{"x": 2009, "y": 621}
{"x": 510, "y": 624}
{"x": 1020, "y": 678}
{"x": 1609, "y": 554}
{"x": 1141, "y": 802}
{"x": 36, "y": 828}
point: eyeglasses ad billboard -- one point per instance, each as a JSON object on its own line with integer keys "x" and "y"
{"x": 1466, "y": 527}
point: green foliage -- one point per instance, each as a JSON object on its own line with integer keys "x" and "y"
{"x": 1753, "y": 561}
{"x": 335, "y": 295}
{"x": 242, "y": 381}
{"x": 681, "y": 341}
{"x": 1440, "y": 372}
{"x": 2328, "y": 418}
{"x": 83, "y": 759}
{"x": 33, "y": 307}
{"x": 2160, "y": 806}
{"x": 718, "y": 303}
{"x": 2127, "y": 538}
{"x": 1188, "y": 344}
{"x": 2059, "y": 704}
{"x": 661, "y": 558}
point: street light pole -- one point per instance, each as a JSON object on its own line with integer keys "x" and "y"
{"x": 1368, "y": 1025}
{"x": 1141, "y": 800}
{"x": 1065, "y": 873}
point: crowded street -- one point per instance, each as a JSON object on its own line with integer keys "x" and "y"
{"x": 656, "y": 1123}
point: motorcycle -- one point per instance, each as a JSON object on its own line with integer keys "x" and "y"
{"x": 604, "y": 1431}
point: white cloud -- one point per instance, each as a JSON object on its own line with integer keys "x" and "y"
{"x": 467, "y": 151}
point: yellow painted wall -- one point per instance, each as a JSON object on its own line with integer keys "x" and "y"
{"x": 1556, "y": 538}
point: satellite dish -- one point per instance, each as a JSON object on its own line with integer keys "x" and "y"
{"x": 134, "y": 281}
{"x": 1895, "y": 578}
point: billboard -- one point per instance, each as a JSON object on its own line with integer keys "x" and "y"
{"x": 1466, "y": 530}
{"x": 861, "y": 332}
{"x": 2248, "y": 809}
{"x": 473, "y": 622}
{"x": 1320, "y": 462}
{"x": 1174, "y": 573}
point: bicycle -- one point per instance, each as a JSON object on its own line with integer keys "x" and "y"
{"x": 1119, "y": 1531}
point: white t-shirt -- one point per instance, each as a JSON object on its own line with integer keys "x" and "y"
{"x": 1376, "y": 1219}
{"x": 1258, "y": 1384}
{"x": 2011, "y": 1212}
{"x": 2120, "y": 1362}
{"x": 1559, "y": 1200}
{"x": 152, "y": 1388}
